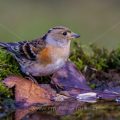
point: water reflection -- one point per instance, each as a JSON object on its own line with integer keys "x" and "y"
{"x": 98, "y": 111}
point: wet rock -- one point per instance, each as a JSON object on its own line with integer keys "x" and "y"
{"x": 27, "y": 92}
{"x": 103, "y": 80}
{"x": 69, "y": 79}
{"x": 62, "y": 96}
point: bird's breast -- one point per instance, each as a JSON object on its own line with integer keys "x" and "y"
{"x": 51, "y": 55}
{"x": 37, "y": 69}
{"x": 48, "y": 61}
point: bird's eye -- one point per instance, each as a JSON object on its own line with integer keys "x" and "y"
{"x": 64, "y": 33}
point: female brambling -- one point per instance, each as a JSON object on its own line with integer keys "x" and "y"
{"x": 45, "y": 55}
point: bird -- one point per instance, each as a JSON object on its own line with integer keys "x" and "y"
{"x": 45, "y": 55}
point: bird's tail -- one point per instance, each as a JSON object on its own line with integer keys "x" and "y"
{"x": 3, "y": 45}
{"x": 8, "y": 46}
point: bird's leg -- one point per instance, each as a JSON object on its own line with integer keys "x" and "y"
{"x": 30, "y": 77}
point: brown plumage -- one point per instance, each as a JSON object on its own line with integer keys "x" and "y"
{"x": 44, "y": 55}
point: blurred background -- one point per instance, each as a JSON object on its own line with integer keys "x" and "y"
{"x": 97, "y": 21}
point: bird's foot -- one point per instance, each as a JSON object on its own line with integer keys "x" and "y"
{"x": 32, "y": 79}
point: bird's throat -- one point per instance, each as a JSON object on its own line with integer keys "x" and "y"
{"x": 57, "y": 43}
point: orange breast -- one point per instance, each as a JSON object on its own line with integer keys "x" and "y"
{"x": 45, "y": 56}
{"x": 51, "y": 54}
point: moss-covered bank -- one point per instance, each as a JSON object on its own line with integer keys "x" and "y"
{"x": 99, "y": 59}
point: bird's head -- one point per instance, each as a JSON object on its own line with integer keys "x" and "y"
{"x": 60, "y": 36}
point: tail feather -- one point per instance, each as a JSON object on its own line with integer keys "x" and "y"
{"x": 11, "y": 47}
{"x": 3, "y": 45}
{"x": 19, "y": 49}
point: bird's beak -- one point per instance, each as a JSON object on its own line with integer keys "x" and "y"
{"x": 74, "y": 35}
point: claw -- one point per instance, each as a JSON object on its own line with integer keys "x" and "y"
{"x": 30, "y": 77}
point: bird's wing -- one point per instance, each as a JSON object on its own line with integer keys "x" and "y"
{"x": 25, "y": 49}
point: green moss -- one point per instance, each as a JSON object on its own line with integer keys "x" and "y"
{"x": 8, "y": 66}
{"x": 98, "y": 58}
{"x": 78, "y": 56}
{"x": 93, "y": 86}
{"x": 114, "y": 59}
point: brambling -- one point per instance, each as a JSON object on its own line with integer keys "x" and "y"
{"x": 45, "y": 55}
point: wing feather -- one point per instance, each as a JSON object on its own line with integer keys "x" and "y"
{"x": 25, "y": 49}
